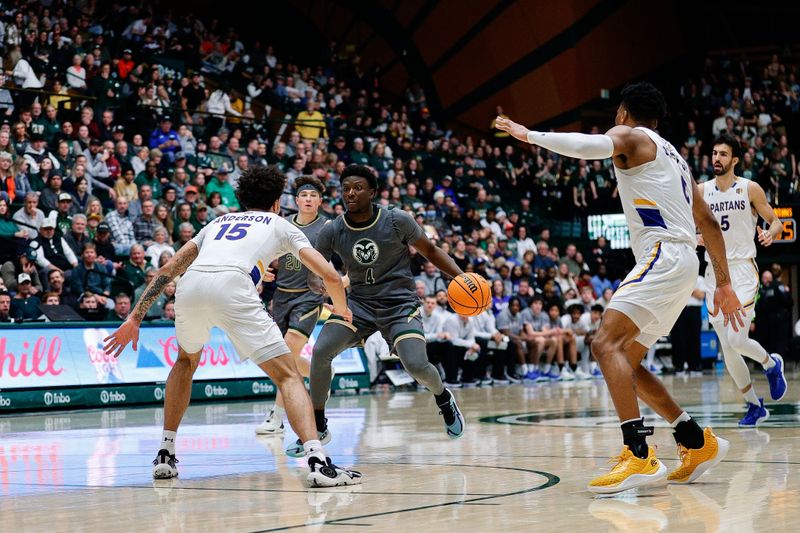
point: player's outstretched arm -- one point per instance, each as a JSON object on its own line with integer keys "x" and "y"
{"x": 577, "y": 145}
{"x": 317, "y": 264}
{"x": 725, "y": 298}
{"x": 765, "y": 211}
{"x": 437, "y": 256}
{"x": 129, "y": 330}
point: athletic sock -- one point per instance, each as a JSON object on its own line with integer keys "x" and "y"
{"x": 750, "y": 396}
{"x": 769, "y": 364}
{"x": 168, "y": 441}
{"x": 443, "y": 398}
{"x": 319, "y": 418}
{"x": 687, "y": 433}
{"x": 313, "y": 448}
{"x": 280, "y": 413}
{"x": 573, "y": 367}
{"x": 634, "y": 434}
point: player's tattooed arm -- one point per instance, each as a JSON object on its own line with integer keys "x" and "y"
{"x": 176, "y": 266}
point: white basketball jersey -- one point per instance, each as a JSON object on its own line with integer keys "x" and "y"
{"x": 657, "y": 199}
{"x": 736, "y": 218}
{"x": 247, "y": 241}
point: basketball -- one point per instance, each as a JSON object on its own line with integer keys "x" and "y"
{"x": 469, "y": 294}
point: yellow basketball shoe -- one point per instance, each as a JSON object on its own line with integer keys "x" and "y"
{"x": 629, "y": 472}
{"x": 695, "y": 463}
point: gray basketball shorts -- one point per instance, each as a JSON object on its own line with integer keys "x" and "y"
{"x": 395, "y": 322}
{"x": 297, "y": 311}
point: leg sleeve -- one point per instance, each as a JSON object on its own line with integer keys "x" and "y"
{"x": 411, "y": 350}
{"x": 333, "y": 340}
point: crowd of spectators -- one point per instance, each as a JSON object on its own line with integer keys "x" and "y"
{"x": 123, "y": 132}
{"x": 757, "y": 100}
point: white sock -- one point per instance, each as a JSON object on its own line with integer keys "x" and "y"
{"x": 280, "y": 413}
{"x": 769, "y": 364}
{"x": 168, "y": 441}
{"x": 750, "y": 396}
{"x": 314, "y": 448}
{"x": 684, "y": 417}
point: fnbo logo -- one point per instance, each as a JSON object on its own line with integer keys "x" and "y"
{"x": 5, "y": 402}
{"x": 348, "y": 383}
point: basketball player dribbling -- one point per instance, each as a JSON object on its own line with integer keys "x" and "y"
{"x": 373, "y": 242}
{"x": 662, "y": 206}
{"x": 222, "y": 265}
{"x": 736, "y": 203}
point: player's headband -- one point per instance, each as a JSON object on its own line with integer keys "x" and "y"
{"x": 307, "y": 187}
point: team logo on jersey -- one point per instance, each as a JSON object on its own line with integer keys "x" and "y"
{"x": 365, "y": 251}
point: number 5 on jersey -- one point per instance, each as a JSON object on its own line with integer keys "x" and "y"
{"x": 238, "y": 231}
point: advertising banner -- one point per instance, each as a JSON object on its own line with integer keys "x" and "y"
{"x": 69, "y": 357}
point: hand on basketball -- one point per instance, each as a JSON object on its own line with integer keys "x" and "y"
{"x": 764, "y": 237}
{"x": 518, "y": 131}
{"x": 725, "y": 300}
{"x": 117, "y": 341}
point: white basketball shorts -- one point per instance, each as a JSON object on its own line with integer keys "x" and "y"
{"x": 745, "y": 282}
{"x": 657, "y": 289}
{"x": 228, "y": 300}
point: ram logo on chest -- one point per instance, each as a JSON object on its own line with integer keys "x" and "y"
{"x": 365, "y": 251}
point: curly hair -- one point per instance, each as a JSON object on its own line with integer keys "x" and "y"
{"x": 260, "y": 187}
{"x": 644, "y": 102}
{"x": 362, "y": 171}
{"x": 310, "y": 180}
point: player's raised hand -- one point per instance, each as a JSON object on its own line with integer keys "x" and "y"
{"x": 518, "y": 131}
{"x": 117, "y": 341}
{"x": 725, "y": 300}
{"x": 764, "y": 237}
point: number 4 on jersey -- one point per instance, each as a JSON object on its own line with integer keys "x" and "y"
{"x": 370, "y": 277}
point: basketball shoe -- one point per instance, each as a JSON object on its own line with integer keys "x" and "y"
{"x": 164, "y": 465}
{"x": 271, "y": 425}
{"x": 297, "y": 450}
{"x": 453, "y": 419}
{"x": 629, "y": 472}
{"x": 776, "y": 378}
{"x": 756, "y": 413}
{"x": 327, "y": 474}
{"x": 696, "y": 462}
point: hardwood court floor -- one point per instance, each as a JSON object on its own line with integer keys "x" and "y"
{"x": 522, "y": 466}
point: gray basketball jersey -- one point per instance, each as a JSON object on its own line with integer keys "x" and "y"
{"x": 292, "y": 274}
{"x": 375, "y": 254}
